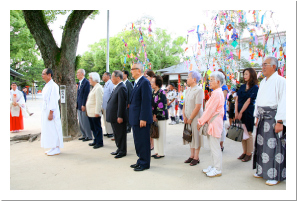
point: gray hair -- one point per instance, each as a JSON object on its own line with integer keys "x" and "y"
{"x": 273, "y": 61}
{"x": 82, "y": 71}
{"x": 196, "y": 75}
{"x": 118, "y": 73}
{"x": 218, "y": 76}
{"x": 95, "y": 76}
{"x": 140, "y": 66}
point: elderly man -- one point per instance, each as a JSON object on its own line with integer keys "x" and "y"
{"x": 83, "y": 90}
{"x": 129, "y": 87}
{"x": 108, "y": 87}
{"x": 116, "y": 113}
{"x": 51, "y": 128}
{"x": 140, "y": 117}
{"x": 270, "y": 110}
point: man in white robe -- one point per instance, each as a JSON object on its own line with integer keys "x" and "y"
{"x": 51, "y": 128}
{"x": 270, "y": 110}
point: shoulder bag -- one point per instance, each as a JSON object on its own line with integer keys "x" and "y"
{"x": 204, "y": 129}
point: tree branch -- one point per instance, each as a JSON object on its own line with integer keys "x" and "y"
{"x": 36, "y": 23}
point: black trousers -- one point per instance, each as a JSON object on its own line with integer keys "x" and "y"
{"x": 95, "y": 123}
{"x": 142, "y": 145}
{"x": 120, "y": 137}
{"x": 128, "y": 125}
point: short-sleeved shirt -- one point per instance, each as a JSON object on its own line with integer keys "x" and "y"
{"x": 171, "y": 95}
{"x": 194, "y": 95}
{"x": 247, "y": 116}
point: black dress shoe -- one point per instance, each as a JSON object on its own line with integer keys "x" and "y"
{"x": 105, "y": 134}
{"x": 134, "y": 166}
{"x": 86, "y": 139}
{"x": 139, "y": 168}
{"x": 82, "y": 138}
{"x": 128, "y": 131}
{"x": 92, "y": 144}
{"x": 114, "y": 153}
{"x": 109, "y": 135}
{"x": 97, "y": 146}
{"x": 157, "y": 157}
{"x": 120, "y": 155}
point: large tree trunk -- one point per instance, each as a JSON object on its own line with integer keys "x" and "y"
{"x": 60, "y": 60}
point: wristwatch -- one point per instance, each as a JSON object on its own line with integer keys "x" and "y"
{"x": 280, "y": 122}
{"x": 190, "y": 119}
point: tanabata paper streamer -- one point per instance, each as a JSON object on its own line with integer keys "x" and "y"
{"x": 208, "y": 72}
{"x": 234, "y": 43}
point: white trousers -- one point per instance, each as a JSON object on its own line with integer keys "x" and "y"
{"x": 172, "y": 110}
{"x": 159, "y": 143}
{"x": 108, "y": 128}
{"x": 216, "y": 153}
{"x": 223, "y": 136}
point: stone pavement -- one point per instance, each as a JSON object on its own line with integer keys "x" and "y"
{"x": 80, "y": 167}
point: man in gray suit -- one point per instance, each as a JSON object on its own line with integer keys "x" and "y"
{"x": 129, "y": 87}
{"x": 83, "y": 91}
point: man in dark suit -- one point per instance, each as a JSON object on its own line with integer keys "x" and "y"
{"x": 116, "y": 113}
{"x": 140, "y": 117}
{"x": 129, "y": 87}
{"x": 83, "y": 90}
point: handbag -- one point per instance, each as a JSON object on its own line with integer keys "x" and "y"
{"x": 154, "y": 130}
{"x": 204, "y": 129}
{"x": 235, "y": 131}
{"x": 187, "y": 133}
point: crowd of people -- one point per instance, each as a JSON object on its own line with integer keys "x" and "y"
{"x": 125, "y": 105}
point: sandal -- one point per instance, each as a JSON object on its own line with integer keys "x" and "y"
{"x": 189, "y": 160}
{"x": 194, "y": 162}
{"x": 242, "y": 156}
{"x": 157, "y": 157}
{"x": 154, "y": 155}
{"x": 247, "y": 158}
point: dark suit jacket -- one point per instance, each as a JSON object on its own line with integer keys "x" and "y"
{"x": 129, "y": 88}
{"x": 117, "y": 104}
{"x": 82, "y": 93}
{"x": 141, "y": 103}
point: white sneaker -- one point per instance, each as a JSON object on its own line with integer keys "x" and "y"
{"x": 181, "y": 121}
{"x": 207, "y": 169}
{"x": 272, "y": 182}
{"x": 214, "y": 173}
{"x": 49, "y": 150}
{"x": 56, "y": 151}
{"x": 257, "y": 176}
{"x": 173, "y": 123}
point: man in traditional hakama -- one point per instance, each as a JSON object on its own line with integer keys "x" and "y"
{"x": 17, "y": 109}
{"x": 51, "y": 128}
{"x": 270, "y": 110}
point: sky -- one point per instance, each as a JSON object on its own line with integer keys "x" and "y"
{"x": 176, "y": 22}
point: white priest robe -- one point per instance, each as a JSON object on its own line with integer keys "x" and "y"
{"x": 272, "y": 92}
{"x": 51, "y": 131}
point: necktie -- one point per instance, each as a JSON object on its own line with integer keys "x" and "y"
{"x": 78, "y": 85}
{"x": 134, "y": 85}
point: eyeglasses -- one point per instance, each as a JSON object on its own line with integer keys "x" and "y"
{"x": 134, "y": 68}
{"x": 265, "y": 64}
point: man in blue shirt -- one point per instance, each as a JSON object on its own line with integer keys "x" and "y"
{"x": 108, "y": 87}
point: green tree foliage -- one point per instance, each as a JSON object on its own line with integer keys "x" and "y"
{"x": 23, "y": 49}
{"x": 162, "y": 51}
